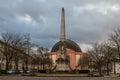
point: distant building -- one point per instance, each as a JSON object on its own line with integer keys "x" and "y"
{"x": 115, "y": 66}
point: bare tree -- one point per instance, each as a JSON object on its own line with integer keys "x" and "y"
{"x": 36, "y": 61}
{"x": 7, "y": 51}
{"x": 48, "y": 62}
{"x": 12, "y": 47}
{"x": 102, "y": 56}
{"x": 115, "y": 39}
{"x": 27, "y": 48}
{"x": 107, "y": 50}
{"x": 18, "y": 42}
{"x": 96, "y": 57}
{"x": 42, "y": 51}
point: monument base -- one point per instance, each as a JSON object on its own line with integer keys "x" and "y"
{"x": 62, "y": 65}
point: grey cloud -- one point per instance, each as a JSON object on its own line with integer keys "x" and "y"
{"x": 84, "y": 28}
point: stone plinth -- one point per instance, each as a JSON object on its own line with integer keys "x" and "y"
{"x": 62, "y": 65}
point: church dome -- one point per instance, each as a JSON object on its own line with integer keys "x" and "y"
{"x": 69, "y": 43}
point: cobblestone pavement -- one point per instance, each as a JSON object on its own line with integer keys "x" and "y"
{"x": 13, "y": 77}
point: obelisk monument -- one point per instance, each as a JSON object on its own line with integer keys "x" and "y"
{"x": 62, "y": 35}
{"x": 62, "y": 46}
{"x": 62, "y": 63}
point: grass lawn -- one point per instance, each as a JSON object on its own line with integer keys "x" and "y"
{"x": 58, "y": 75}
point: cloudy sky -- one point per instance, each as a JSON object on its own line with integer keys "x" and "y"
{"x": 87, "y": 21}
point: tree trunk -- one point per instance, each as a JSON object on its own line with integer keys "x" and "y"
{"x": 43, "y": 64}
{"x": 34, "y": 66}
{"x": 114, "y": 67}
{"x": 16, "y": 64}
{"x": 100, "y": 71}
{"x": 107, "y": 68}
{"x": 26, "y": 65}
{"x": 23, "y": 67}
{"x": 7, "y": 66}
{"x": 1, "y": 64}
{"x": 99, "y": 68}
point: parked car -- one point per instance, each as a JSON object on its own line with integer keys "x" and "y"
{"x": 21, "y": 71}
{"x": 11, "y": 71}
{"x": 14, "y": 71}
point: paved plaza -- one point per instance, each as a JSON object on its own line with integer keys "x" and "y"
{"x": 18, "y": 77}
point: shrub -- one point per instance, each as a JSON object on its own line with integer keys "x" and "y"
{"x": 42, "y": 71}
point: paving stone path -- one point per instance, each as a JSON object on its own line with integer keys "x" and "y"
{"x": 13, "y": 77}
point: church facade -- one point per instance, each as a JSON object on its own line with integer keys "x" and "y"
{"x": 73, "y": 53}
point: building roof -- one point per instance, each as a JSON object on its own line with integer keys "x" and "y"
{"x": 69, "y": 43}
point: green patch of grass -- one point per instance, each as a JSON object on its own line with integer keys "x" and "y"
{"x": 53, "y": 75}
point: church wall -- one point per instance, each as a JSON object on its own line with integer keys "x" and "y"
{"x": 71, "y": 55}
{"x": 72, "y": 60}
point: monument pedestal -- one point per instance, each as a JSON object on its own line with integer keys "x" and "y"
{"x": 62, "y": 65}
